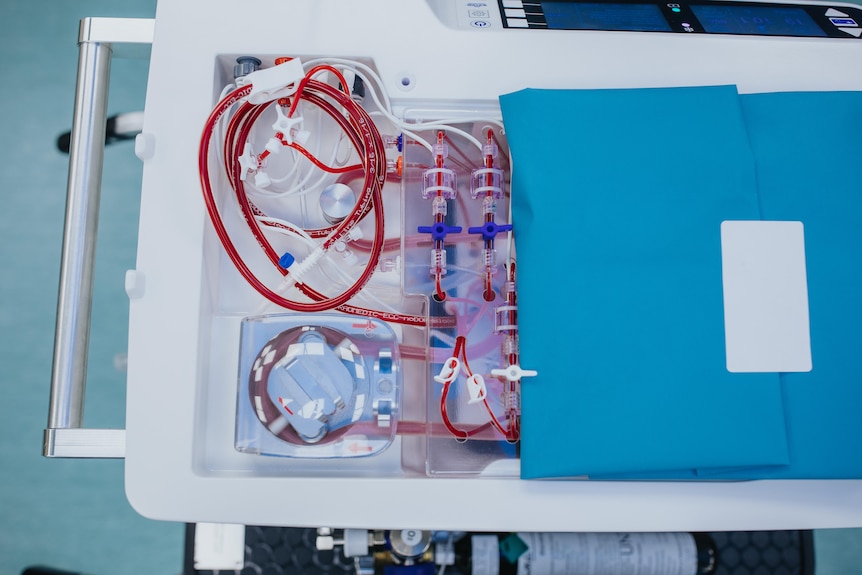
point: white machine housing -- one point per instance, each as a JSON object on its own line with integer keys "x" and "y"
{"x": 180, "y": 460}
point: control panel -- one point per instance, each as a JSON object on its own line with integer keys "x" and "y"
{"x": 701, "y": 17}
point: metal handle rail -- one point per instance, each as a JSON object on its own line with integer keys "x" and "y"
{"x": 65, "y": 437}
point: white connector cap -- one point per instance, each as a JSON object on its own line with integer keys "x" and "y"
{"x": 514, "y": 372}
{"x": 276, "y": 82}
{"x": 355, "y": 542}
{"x": 247, "y": 161}
{"x": 325, "y": 543}
{"x": 274, "y": 145}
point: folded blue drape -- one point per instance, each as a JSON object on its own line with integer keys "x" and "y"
{"x": 618, "y": 197}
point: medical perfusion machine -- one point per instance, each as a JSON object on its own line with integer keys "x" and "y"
{"x": 351, "y": 210}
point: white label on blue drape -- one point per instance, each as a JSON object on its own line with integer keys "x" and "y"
{"x": 765, "y": 296}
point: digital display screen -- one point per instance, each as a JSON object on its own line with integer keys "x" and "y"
{"x": 594, "y": 16}
{"x": 759, "y": 20}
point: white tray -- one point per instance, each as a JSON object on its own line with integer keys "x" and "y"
{"x": 180, "y": 460}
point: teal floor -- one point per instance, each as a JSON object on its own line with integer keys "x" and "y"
{"x": 64, "y": 513}
{"x": 838, "y": 551}
{"x": 73, "y": 514}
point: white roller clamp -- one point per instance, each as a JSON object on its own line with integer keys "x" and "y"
{"x": 449, "y": 372}
{"x": 476, "y": 388}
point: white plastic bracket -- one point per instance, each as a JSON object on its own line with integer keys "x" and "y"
{"x": 276, "y": 82}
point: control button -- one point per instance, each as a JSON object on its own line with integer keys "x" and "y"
{"x": 517, "y": 23}
{"x": 479, "y": 14}
{"x": 834, "y": 12}
{"x": 480, "y": 24}
{"x": 843, "y": 21}
{"x": 515, "y": 13}
{"x": 513, "y": 4}
{"x": 852, "y": 31}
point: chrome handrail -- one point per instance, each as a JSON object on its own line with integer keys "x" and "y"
{"x": 64, "y": 436}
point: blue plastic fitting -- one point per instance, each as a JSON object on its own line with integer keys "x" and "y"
{"x": 286, "y": 260}
{"x": 489, "y": 230}
{"x": 439, "y": 230}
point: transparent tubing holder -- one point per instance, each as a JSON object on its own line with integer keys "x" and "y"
{"x": 317, "y": 386}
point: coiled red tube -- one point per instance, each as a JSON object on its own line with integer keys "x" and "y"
{"x": 363, "y": 135}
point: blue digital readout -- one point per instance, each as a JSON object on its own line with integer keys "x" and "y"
{"x": 758, "y": 20}
{"x": 595, "y": 16}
